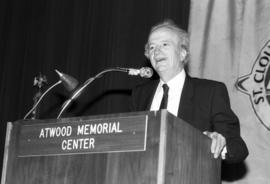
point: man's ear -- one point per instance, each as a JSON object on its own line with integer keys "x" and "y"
{"x": 146, "y": 54}
{"x": 183, "y": 54}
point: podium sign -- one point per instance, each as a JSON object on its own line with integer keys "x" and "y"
{"x": 83, "y": 136}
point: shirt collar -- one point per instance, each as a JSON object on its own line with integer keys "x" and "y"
{"x": 174, "y": 82}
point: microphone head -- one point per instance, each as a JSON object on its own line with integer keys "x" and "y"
{"x": 69, "y": 82}
{"x": 146, "y": 72}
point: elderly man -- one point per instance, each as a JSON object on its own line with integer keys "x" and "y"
{"x": 202, "y": 103}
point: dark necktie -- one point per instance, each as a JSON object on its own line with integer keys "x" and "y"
{"x": 164, "y": 100}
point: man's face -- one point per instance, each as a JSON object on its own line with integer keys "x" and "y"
{"x": 165, "y": 52}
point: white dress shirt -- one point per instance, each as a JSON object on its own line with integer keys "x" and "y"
{"x": 175, "y": 90}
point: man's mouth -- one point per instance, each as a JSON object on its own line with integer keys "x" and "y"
{"x": 158, "y": 60}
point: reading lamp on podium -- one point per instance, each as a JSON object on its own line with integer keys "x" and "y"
{"x": 144, "y": 72}
{"x": 69, "y": 83}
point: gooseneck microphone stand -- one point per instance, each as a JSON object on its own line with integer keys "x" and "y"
{"x": 69, "y": 83}
{"x": 78, "y": 92}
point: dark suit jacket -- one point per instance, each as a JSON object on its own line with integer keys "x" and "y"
{"x": 204, "y": 104}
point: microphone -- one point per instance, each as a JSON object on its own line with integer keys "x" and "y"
{"x": 69, "y": 83}
{"x": 145, "y": 72}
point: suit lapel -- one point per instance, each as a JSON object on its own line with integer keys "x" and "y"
{"x": 144, "y": 95}
{"x": 150, "y": 96}
{"x": 185, "y": 110}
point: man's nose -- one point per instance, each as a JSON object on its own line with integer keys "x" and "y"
{"x": 157, "y": 50}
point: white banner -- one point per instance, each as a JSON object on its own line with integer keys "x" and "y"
{"x": 230, "y": 43}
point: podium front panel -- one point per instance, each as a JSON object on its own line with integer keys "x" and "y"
{"x": 142, "y": 148}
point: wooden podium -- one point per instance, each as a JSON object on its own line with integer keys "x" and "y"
{"x": 127, "y": 148}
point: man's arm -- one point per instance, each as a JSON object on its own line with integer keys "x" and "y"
{"x": 226, "y": 127}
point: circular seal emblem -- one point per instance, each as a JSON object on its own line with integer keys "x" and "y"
{"x": 257, "y": 85}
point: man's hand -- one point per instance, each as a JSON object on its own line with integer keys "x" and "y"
{"x": 218, "y": 145}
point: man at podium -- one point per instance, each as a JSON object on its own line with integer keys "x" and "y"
{"x": 203, "y": 103}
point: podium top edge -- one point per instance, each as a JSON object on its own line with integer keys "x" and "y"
{"x": 99, "y": 116}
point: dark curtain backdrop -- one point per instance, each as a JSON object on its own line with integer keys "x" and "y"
{"x": 80, "y": 38}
